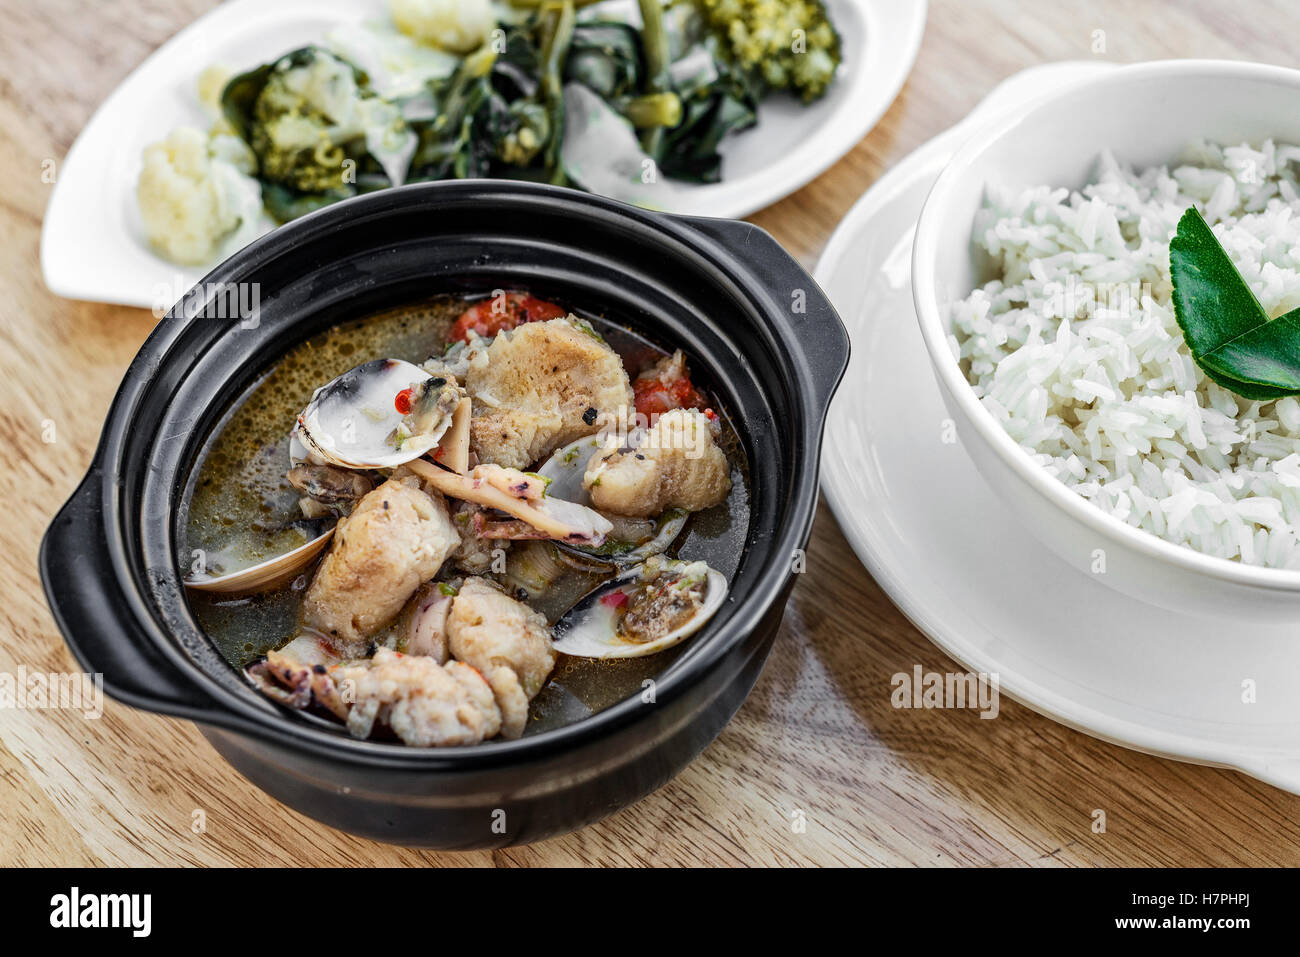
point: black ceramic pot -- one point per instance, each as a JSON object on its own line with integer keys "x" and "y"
{"x": 759, "y": 333}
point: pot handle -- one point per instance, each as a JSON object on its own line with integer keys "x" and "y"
{"x": 817, "y": 330}
{"x": 96, "y": 622}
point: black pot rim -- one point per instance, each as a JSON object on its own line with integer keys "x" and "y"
{"x": 238, "y": 714}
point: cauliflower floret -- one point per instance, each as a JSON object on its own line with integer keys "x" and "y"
{"x": 224, "y": 142}
{"x": 212, "y": 83}
{"x": 456, "y": 25}
{"x": 191, "y": 200}
{"x": 225, "y": 145}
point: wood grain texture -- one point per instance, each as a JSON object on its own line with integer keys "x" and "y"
{"x": 817, "y": 736}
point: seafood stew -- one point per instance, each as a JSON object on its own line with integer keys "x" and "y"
{"x": 468, "y": 519}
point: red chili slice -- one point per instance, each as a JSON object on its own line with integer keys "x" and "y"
{"x": 403, "y": 401}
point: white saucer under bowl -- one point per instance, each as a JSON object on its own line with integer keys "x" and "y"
{"x": 964, "y": 570}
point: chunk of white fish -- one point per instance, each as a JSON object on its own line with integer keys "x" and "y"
{"x": 632, "y": 540}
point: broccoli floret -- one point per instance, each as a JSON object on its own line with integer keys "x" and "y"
{"x": 310, "y": 113}
{"x": 790, "y": 44}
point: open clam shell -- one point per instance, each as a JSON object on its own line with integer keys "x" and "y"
{"x": 567, "y": 465}
{"x": 630, "y": 541}
{"x": 354, "y": 420}
{"x": 265, "y": 574}
{"x": 594, "y": 627}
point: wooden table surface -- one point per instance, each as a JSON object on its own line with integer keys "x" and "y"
{"x": 818, "y": 735}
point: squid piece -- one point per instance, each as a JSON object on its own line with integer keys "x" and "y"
{"x": 553, "y": 517}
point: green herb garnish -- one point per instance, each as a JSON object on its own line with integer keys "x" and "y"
{"x": 546, "y": 480}
{"x": 1230, "y": 335}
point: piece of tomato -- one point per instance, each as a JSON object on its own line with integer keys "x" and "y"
{"x": 495, "y": 314}
{"x": 655, "y": 395}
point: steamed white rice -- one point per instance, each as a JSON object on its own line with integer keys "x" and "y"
{"x": 1076, "y": 352}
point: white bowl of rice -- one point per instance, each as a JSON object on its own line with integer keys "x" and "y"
{"x": 1041, "y": 279}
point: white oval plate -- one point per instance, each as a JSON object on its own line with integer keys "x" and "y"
{"x": 92, "y": 243}
{"x": 962, "y": 568}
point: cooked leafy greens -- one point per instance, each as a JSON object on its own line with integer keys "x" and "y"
{"x": 718, "y": 99}
{"x": 501, "y": 114}
{"x": 1228, "y": 332}
{"x": 668, "y": 90}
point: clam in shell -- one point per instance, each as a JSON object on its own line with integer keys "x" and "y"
{"x": 381, "y": 414}
{"x": 645, "y": 610}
